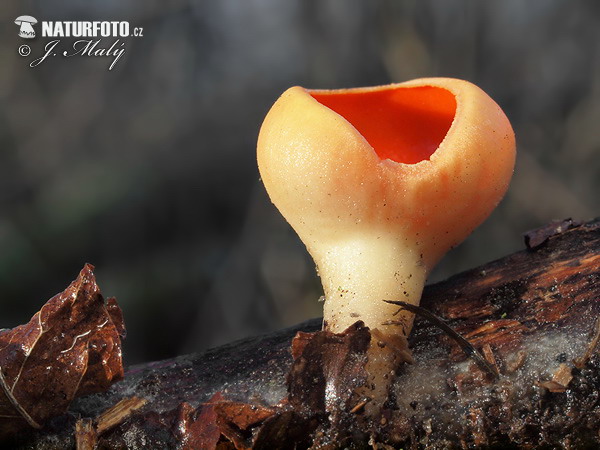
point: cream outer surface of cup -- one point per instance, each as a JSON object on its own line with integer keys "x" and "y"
{"x": 347, "y": 204}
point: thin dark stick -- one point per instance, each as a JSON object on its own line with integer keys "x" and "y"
{"x": 465, "y": 345}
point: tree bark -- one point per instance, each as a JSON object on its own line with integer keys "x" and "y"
{"x": 533, "y": 315}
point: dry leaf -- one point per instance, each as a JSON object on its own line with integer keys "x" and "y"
{"x": 197, "y": 428}
{"x": 71, "y": 347}
{"x": 327, "y": 370}
{"x": 217, "y": 419}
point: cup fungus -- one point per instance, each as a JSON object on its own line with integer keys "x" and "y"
{"x": 379, "y": 183}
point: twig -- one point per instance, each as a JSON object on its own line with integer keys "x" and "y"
{"x": 358, "y": 406}
{"x": 118, "y": 413}
{"x": 85, "y": 435}
{"x": 465, "y": 345}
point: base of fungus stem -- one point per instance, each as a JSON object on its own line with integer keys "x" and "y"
{"x": 358, "y": 273}
{"x": 384, "y": 356}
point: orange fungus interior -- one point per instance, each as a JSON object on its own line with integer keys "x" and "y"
{"x": 405, "y": 125}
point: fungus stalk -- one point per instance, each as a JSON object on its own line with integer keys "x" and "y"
{"x": 379, "y": 183}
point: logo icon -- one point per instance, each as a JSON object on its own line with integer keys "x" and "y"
{"x": 26, "y": 24}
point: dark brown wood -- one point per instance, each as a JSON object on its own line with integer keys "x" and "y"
{"x": 533, "y": 315}
{"x": 85, "y": 435}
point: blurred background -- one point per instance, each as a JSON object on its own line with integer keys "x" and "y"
{"x": 148, "y": 171}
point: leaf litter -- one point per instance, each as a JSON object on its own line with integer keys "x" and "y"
{"x": 70, "y": 348}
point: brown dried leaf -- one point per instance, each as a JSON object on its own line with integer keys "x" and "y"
{"x": 71, "y": 347}
{"x": 327, "y": 370}
{"x": 206, "y": 426}
{"x": 197, "y": 428}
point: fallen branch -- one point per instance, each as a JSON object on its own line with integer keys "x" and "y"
{"x": 532, "y": 314}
